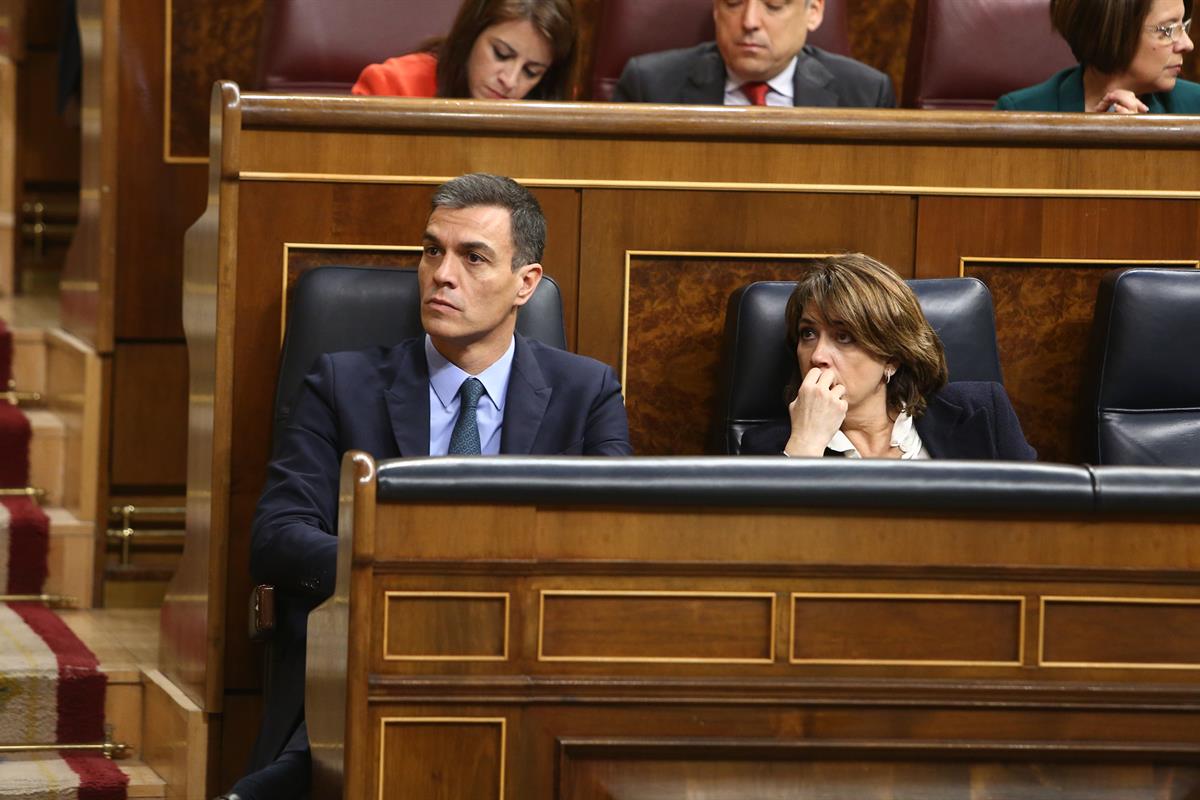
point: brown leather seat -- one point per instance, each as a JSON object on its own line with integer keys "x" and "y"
{"x": 319, "y": 46}
{"x": 629, "y": 28}
{"x": 967, "y": 53}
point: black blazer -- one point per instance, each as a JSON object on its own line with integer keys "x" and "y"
{"x": 964, "y": 420}
{"x": 696, "y": 76}
{"x": 377, "y": 400}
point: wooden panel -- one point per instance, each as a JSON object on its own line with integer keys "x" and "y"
{"x": 642, "y": 770}
{"x": 210, "y": 39}
{"x": 682, "y": 267}
{"x": 149, "y": 418}
{"x": 866, "y": 629}
{"x": 179, "y": 743}
{"x": 443, "y": 758}
{"x": 1117, "y": 632}
{"x": 682, "y": 627}
{"x": 1044, "y": 304}
{"x": 76, "y": 390}
{"x": 445, "y": 626}
{"x": 8, "y": 174}
{"x": 879, "y": 31}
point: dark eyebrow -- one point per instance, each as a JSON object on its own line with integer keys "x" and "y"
{"x": 428, "y": 236}
{"x": 512, "y": 51}
{"x": 482, "y": 247}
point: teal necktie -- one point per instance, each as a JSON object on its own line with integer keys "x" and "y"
{"x": 464, "y": 441}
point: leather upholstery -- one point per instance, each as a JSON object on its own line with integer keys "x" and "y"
{"x": 1145, "y": 404}
{"x": 349, "y": 308}
{"x": 747, "y": 481}
{"x": 629, "y": 28}
{"x": 967, "y": 53}
{"x": 322, "y": 46}
{"x": 757, "y": 362}
{"x": 1006, "y": 487}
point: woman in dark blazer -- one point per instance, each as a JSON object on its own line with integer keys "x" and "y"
{"x": 1130, "y": 55}
{"x": 871, "y": 377}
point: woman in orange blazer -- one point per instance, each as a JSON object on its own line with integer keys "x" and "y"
{"x": 496, "y": 50}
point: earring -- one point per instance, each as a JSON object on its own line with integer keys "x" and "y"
{"x": 888, "y": 372}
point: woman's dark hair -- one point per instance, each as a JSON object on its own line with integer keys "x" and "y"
{"x": 1103, "y": 34}
{"x": 554, "y": 19}
{"x": 880, "y": 311}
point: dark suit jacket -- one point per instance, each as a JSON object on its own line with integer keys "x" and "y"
{"x": 967, "y": 419}
{"x": 696, "y": 76}
{"x": 378, "y": 400}
{"x": 1063, "y": 91}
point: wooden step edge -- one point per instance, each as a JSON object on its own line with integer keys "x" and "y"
{"x": 144, "y": 782}
{"x": 64, "y": 523}
{"x": 44, "y": 422}
{"x": 124, "y": 641}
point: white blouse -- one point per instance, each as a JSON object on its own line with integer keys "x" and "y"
{"x": 904, "y": 436}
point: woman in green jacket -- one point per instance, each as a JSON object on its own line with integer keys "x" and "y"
{"x": 1130, "y": 55}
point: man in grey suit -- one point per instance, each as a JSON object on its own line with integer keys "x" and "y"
{"x": 759, "y": 58}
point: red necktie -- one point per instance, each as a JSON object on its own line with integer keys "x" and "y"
{"x": 756, "y": 92}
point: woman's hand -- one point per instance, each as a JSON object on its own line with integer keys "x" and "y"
{"x": 1121, "y": 101}
{"x": 817, "y": 413}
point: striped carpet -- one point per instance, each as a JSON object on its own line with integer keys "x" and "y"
{"x": 51, "y": 688}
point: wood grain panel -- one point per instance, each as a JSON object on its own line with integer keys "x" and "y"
{"x": 650, "y": 770}
{"x": 584, "y": 625}
{"x": 424, "y": 626}
{"x": 879, "y": 31}
{"x": 444, "y": 758}
{"x": 1044, "y": 304}
{"x": 1114, "y": 632}
{"x": 672, "y": 370}
{"x": 617, "y": 222}
{"x": 894, "y": 628}
{"x": 149, "y": 416}
{"x": 210, "y": 40}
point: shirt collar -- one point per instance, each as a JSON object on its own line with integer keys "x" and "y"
{"x": 783, "y": 84}
{"x": 904, "y": 436}
{"x": 446, "y": 377}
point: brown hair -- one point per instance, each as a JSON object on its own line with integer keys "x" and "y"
{"x": 554, "y": 19}
{"x": 1103, "y": 34}
{"x": 881, "y": 312}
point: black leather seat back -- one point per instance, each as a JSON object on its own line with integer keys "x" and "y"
{"x": 1146, "y": 368}
{"x": 337, "y": 308}
{"x": 757, "y": 361}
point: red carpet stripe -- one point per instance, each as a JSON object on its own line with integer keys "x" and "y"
{"x": 15, "y": 435}
{"x": 6, "y": 352}
{"x": 99, "y": 778}
{"x": 81, "y": 685}
{"x": 28, "y": 546}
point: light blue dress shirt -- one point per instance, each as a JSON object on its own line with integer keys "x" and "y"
{"x": 445, "y": 379}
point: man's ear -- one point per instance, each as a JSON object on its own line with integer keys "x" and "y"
{"x": 816, "y": 14}
{"x": 530, "y": 276}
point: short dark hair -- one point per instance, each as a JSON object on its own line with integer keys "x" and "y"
{"x": 484, "y": 189}
{"x": 554, "y": 19}
{"x": 883, "y": 315}
{"x": 1103, "y": 34}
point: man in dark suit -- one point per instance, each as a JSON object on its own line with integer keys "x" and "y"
{"x": 759, "y": 58}
{"x": 470, "y": 386}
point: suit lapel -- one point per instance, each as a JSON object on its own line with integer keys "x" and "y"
{"x": 812, "y": 84}
{"x": 706, "y": 82}
{"x": 949, "y": 431}
{"x": 525, "y": 404}
{"x": 408, "y": 399}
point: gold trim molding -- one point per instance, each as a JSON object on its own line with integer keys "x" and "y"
{"x": 502, "y": 722}
{"x": 1083, "y": 600}
{"x": 388, "y": 595}
{"x": 544, "y": 593}
{"x": 1116, "y": 263}
{"x": 1019, "y": 600}
{"x": 168, "y": 44}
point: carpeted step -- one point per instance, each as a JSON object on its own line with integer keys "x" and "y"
{"x": 66, "y": 776}
{"x": 51, "y": 688}
{"x": 24, "y": 546}
{"x": 15, "y": 436}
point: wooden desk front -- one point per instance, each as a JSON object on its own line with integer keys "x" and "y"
{"x": 589, "y": 649}
{"x": 655, "y": 214}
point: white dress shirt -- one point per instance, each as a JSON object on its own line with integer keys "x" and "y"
{"x": 445, "y": 379}
{"x": 780, "y": 90}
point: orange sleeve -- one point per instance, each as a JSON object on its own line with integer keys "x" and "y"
{"x": 413, "y": 75}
